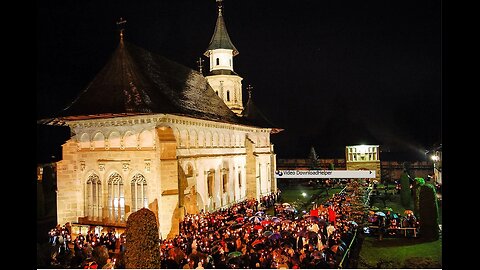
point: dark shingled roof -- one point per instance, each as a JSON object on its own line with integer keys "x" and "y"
{"x": 220, "y": 38}
{"x": 256, "y": 117}
{"x": 136, "y": 81}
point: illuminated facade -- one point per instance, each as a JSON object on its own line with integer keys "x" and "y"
{"x": 142, "y": 139}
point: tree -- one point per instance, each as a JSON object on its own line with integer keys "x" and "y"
{"x": 417, "y": 184}
{"x": 428, "y": 212}
{"x": 313, "y": 159}
{"x": 405, "y": 192}
{"x": 142, "y": 250}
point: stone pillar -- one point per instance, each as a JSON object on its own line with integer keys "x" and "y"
{"x": 273, "y": 168}
{"x": 251, "y": 171}
{"x": 168, "y": 213}
{"x": 70, "y": 195}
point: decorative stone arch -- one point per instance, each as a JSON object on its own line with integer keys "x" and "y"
{"x": 215, "y": 139}
{"x": 184, "y": 140}
{"x": 146, "y": 139}
{"x": 208, "y": 139}
{"x": 98, "y": 140}
{"x": 226, "y": 142}
{"x": 221, "y": 140}
{"x": 201, "y": 139}
{"x": 114, "y": 139}
{"x": 84, "y": 141}
{"x": 238, "y": 141}
{"x": 130, "y": 139}
{"x": 176, "y": 132}
{"x": 232, "y": 140}
{"x": 193, "y": 138}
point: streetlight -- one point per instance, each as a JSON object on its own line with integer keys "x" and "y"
{"x": 304, "y": 194}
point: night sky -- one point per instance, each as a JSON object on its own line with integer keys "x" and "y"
{"x": 331, "y": 73}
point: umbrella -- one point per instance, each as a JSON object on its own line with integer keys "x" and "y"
{"x": 408, "y": 212}
{"x": 236, "y": 226}
{"x": 258, "y": 227}
{"x": 265, "y": 222}
{"x": 267, "y": 233}
{"x": 374, "y": 208}
{"x": 285, "y": 204}
{"x": 255, "y": 219}
{"x": 239, "y": 219}
{"x": 258, "y": 241}
{"x": 393, "y": 215}
{"x": 353, "y": 223}
{"x": 234, "y": 254}
{"x": 259, "y": 213}
{"x": 380, "y": 214}
{"x": 275, "y": 236}
{"x": 387, "y": 209}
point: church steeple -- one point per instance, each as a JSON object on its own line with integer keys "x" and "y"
{"x": 220, "y": 38}
{"x": 221, "y": 77}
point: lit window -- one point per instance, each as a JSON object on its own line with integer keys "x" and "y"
{"x": 94, "y": 193}
{"x": 116, "y": 198}
{"x": 139, "y": 193}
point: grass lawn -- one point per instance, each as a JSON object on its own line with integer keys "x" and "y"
{"x": 393, "y": 252}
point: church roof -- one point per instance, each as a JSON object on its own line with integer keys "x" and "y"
{"x": 220, "y": 38}
{"x": 136, "y": 81}
{"x": 256, "y": 117}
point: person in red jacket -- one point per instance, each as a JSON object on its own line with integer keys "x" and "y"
{"x": 332, "y": 216}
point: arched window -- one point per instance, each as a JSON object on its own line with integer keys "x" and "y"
{"x": 94, "y": 193}
{"x": 218, "y": 61}
{"x": 116, "y": 198}
{"x": 228, "y": 95}
{"x": 210, "y": 182}
{"x": 139, "y": 192}
{"x": 216, "y": 92}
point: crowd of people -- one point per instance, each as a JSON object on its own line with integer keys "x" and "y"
{"x": 242, "y": 236}
{"x": 60, "y": 239}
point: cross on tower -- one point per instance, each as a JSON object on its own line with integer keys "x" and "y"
{"x": 249, "y": 89}
{"x": 200, "y": 66}
{"x": 219, "y": 3}
{"x": 121, "y": 26}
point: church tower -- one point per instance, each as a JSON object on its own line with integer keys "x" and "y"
{"x": 221, "y": 77}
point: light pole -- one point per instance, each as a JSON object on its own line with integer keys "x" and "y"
{"x": 437, "y": 164}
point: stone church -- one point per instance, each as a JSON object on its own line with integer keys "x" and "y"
{"x": 149, "y": 132}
